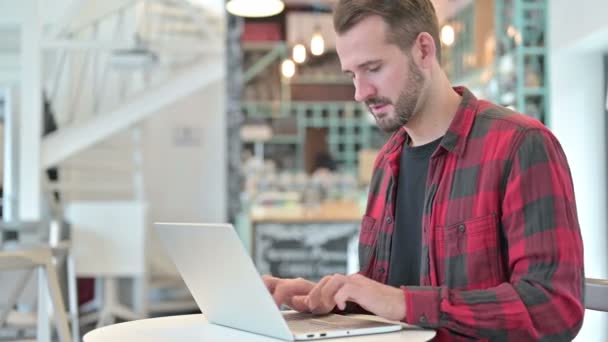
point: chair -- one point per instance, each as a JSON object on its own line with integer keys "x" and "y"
{"x": 45, "y": 258}
{"x": 41, "y": 260}
{"x": 596, "y": 294}
{"x": 109, "y": 240}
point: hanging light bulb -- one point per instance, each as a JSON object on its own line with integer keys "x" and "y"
{"x": 317, "y": 43}
{"x": 288, "y": 68}
{"x": 447, "y": 34}
{"x": 299, "y": 53}
{"x": 255, "y": 9}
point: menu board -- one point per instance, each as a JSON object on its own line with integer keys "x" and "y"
{"x": 307, "y": 250}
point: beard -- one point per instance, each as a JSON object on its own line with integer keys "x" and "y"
{"x": 405, "y": 106}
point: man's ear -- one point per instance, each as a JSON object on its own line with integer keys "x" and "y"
{"x": 424, "y": 50}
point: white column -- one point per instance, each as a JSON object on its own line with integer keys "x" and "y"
{"x": 31, "y": 114}
{"x": 10, "y": 157}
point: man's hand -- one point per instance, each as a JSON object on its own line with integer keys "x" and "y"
{"x": 335, "y": 290}
{"x": 291, "y": 292}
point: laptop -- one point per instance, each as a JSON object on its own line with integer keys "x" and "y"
{"x": 230, "y": 292}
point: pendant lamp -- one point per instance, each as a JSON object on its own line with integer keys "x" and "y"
{"x": 255, "y": 8}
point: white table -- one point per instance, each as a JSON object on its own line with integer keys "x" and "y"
{"x": 196, "y": 328}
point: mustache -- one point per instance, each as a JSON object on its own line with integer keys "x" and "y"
{"x": 374, "y": 101}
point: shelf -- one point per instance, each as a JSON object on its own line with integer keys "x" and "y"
{"x": 322, "y": 79}
{"x": 539, "y": 91}
{"x": 516, "y": 26}
{"x": 475, "y": 77}
{"x": 284, "y": 139}
{"x": 348, "y": 129}
{"x": 536, "y": 5}
{"x": 537, "y": 50}
{"x": 260, "y": 45}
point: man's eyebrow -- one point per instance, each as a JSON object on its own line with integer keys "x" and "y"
{"x": 362, "y": 65}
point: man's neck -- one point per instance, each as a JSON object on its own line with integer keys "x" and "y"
{"x": 433, "y": 120}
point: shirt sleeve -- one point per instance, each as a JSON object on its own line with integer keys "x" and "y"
{"x": 543, "y": 298}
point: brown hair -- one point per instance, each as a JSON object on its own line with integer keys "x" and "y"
{"x": 406, "y": 19}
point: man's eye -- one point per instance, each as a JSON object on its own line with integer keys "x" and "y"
{"x": 374, "y": 69}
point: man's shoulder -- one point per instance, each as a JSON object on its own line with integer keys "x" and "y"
{"x": 493, "y": 112}
{"x": 493, "y": 116}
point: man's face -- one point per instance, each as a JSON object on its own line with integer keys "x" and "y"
{"x": 385, "y": 78}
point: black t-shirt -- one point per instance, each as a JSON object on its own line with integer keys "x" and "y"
{"x": 404, "y": 264}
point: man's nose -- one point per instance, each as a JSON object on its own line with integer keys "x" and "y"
{"x": 363, "y": 90}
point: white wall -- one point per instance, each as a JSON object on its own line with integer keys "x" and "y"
{"x": 186, "y": 177}
{"x": 574, "y": 25}
{"x": 12, "y": 12}
{"x": 578, "y": 120}
{"x": 577, "y": 117}
{"x": 215, "y": 6}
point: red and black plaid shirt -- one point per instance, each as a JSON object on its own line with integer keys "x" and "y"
{"x": 502, "y": 254}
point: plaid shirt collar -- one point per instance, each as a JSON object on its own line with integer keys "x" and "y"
{"x": 456, "y": 137}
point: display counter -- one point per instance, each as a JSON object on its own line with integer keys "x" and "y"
{"x": 306, "y": 242}
{"x": 328, "y": 211}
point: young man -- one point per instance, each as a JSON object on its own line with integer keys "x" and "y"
{"x": 471, "y": 225}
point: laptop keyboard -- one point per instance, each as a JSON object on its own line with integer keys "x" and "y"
{"x": 308, "y": 322}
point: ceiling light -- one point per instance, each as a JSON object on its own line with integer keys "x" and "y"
{"x": 288, "y": 68}
{"x": 255, "y": 9}
{"x": 299, "y": 53}
{"x": 447, "y": 35}
{"x": 317, "y": 43}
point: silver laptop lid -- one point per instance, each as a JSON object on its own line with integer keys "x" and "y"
{"x": 222, "y": 278}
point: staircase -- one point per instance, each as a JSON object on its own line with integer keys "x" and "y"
{"x": 111, "y": 72}
{"x": 107, "y": 67}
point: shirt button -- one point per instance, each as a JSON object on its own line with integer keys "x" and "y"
{"x": 389, "y": 220}
{"x": 422, "y": 319}
{"x": 461, "y": 228}
{"x": 381, "y": 270}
